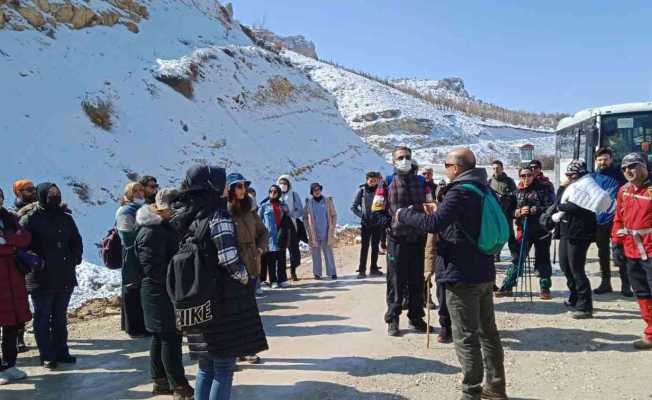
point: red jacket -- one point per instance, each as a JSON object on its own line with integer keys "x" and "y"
{"x": 14, "y": 308}
{"x": 632, "y": 226}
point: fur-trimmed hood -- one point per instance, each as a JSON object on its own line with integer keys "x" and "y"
{"x": 287, "y": 178}
{"x": 146, "y": 216}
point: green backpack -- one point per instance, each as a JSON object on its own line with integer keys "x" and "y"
{"x": 494, "y": 231}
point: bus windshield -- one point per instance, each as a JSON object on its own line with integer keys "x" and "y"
{"x": 627, "y": 133}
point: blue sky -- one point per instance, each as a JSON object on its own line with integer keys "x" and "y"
{"x": 536, "y": 55}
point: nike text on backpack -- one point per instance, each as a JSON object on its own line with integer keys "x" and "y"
{"x": 494, "y": 231}
{"x": 111, "y": 250}
{"x": 192, "y": 279}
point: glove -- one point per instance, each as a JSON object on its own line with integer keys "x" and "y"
{"x": 618, "y": 254}
{"x": 556, "y": 217}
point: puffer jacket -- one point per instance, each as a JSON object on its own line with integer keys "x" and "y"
{"x": 252, "y": 237}
{"x": 154, "y": 246}
{"x": 56, "y": 239}
{"x": 14, "y": 307}
{"x": 632, "y": 227}
{"x": 238, "y": 330}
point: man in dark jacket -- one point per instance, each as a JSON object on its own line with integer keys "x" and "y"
{"x": 468, "y": 274}
{"x": 369, "y": 230}
{"x": 405, "y": 244}
{"x": 56, "y": 239}
{"x": 610, "y": 179}
{"x": 505, "y": 190}
{"x": 537, "y": 169}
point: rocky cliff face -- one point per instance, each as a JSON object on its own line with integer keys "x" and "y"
{"x": 447, "y": 87}
{"x": 298, "y": 44}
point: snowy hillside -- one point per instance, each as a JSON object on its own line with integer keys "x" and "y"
{"x": 385, "y": 117}
{"x": 448, "y": 87}
{"x": 182, "y": 85}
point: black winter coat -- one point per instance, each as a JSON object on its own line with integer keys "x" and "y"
{"x": 239, "y": 330}
{"x": 155, "y": 245}
{"x": 56, "y": 239}
{"x": 577, "y": 223}
{"x": 458, "y": 215}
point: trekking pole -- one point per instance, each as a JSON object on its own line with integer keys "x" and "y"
{"x": 529, "y": 274}
{"x": 554, "y": 251}
{"x": 521, "y": 259}
{"x": 428, "y": 299}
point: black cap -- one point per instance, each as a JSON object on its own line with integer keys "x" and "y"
{"x": 315, "y": 185}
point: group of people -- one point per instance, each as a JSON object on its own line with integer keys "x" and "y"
{"x": 429, "y": 229}
{"x": 40, "y": 247}
{"x": 440, "y": 234}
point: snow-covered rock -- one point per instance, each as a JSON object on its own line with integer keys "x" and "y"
{"x": 385, "y": 116}
{"x": 447, "y": 87}
{"x": 92, "y": 108}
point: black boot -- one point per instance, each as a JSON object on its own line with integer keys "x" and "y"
{"x": 293, "y": 274}
{"x": 392, "y": 329}
{"x": 605, "y": 287}
{"x": 625, "y": 287}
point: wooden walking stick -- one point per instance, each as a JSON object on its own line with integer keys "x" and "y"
{"x": 428, "y": 299}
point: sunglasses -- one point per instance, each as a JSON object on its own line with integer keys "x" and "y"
{"x": 631, "y": 166}
{"x": 154, "y": 186}
{"x": 525, "y": 175}
{"x": 29, "y": 190}
{"x": 447, "y": 165}
{"x": 273, "y": 191}
{"x": 239, "y": 185}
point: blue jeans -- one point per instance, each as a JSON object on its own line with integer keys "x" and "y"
{"x": 51, "y": 322}
{"x": 214, "y": 379}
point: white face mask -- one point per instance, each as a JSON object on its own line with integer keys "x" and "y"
{"x": 283, "y": 187}
{"x": 140, "y": 202}
{"x": 404, "y": 165}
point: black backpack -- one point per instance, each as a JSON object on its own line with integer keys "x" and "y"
{"x": 192, "y": 279}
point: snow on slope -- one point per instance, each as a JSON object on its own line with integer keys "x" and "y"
{"x": 249, "y": 111}
{"x": 385, "y": 117}
{"x": 447, "y": 87}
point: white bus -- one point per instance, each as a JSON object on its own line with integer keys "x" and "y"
{"x": 625, "y": 128}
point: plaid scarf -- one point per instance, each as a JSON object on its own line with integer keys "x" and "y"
{"x": 222, "y": 231}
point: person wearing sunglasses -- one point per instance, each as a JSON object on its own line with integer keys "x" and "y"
{"x": 467, "y": 272}
{"x": 150, "y": 185}
{"x": 631, "y": 236}
{"x": 532, "y": 198}
{"x": 274, "y": 214}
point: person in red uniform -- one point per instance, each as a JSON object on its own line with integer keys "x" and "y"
{"x": 631, "y": 236}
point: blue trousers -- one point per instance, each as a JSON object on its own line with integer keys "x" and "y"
{"x": 214, "y": 379}
{"x": 51, "y": 322}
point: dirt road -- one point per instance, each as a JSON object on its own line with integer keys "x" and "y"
{"x": 328, "y": 341}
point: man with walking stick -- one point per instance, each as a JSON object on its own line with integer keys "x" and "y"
{"x": 468, "y": 274}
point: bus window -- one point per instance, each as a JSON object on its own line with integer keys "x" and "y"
{"x": 565, "y": 150}
{"x": 627, "y": 133}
